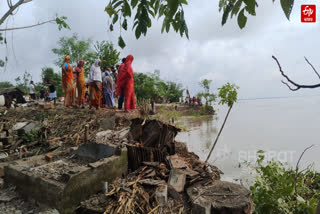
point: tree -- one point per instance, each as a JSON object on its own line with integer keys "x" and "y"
{"x": 108, "y": 55}
{"x": 151, "y": 87}
{"x": 209, "y": 97}
{"x": 144, "y": 87}
{"x": 48, "y": 74}
{"x": 228, "y": 95}
{"x": 82, "y": 50}
{"x": 6, "y": 84}
{"x": 76, "y": 49}
{"x": 23, "y": 83}
{"x": 174, "y": 91}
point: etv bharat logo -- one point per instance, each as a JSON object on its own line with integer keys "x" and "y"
{"x": 308, "y": 13}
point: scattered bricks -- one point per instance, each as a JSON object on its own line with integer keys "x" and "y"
{"x": 162, "y": 195}
{"x": 46, "y": 106}
{"x": 49, "y": 157}
{"x": 1, "y": 126}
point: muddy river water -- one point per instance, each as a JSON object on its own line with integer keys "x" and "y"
{"x": 282, "y": 127}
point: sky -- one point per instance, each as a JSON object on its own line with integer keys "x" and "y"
{"x": 219, "y": 53}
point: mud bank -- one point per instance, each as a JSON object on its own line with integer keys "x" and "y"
{"x": 62, "y": 157}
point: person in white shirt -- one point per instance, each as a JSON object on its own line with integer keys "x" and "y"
{"x": 32, "y": 90}
{"x": 95, "y": 82}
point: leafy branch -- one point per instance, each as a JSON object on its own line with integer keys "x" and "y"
{"x": 171, "y": 10}
{"x": 242, "y": 8}
{"x": 60, "y": 21}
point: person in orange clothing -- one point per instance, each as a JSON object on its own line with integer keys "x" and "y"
{"x": 67, "y": 82}
{"x": 95, "y": 79}
{"x": 81, "y": 85}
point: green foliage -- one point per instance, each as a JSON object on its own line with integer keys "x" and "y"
{"x": 6, "y": 84}
{"x": 278, "y": 189}
{"x": 247, "y": 7}
{"x": 30, "y": 137}
{"x": 287, "y": 6}
{"x": 121, "y": 43}
{"x": 23, "y": 84}
{"x": 228, "y": 94}
{"x": 151, "y": 87}
{"x": 82, "y": 50}
{"x": 209, "y": 97}
{"x": 2, "y": 63}
{"x": 61, "y": 22}
{"x": 143, "y": 11}
{"x": 75, "y": 48}
{"x": 106, "y": 52}
{"x": 48, "y": 74}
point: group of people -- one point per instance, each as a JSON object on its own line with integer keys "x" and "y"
{"x": 44, "y": 95}
{"x": 101, "y": 87}
{"x": 194, "y": 101}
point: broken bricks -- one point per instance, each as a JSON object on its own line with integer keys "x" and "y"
{"x": 49, "y": 157}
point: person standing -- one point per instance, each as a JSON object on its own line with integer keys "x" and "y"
{"x": 52, "y": 92}
{"x": 67, "y": 82}
{"x": 81, "y": 84}
{"x": 126, "y": 83}
{"x": 120, "y": 90}
{"x": 108, "y": 88}
{"x": 32, "y": 91}
{"x": 95, "y": 79}
{"x": 114, "y": 74}
{"x": 42, "y": 94}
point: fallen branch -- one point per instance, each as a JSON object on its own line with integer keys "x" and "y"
{"x": 297, "y": 86}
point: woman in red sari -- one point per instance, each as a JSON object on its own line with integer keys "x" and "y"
{"x": 126, "y": 83}
{"x": 67, "y": 82}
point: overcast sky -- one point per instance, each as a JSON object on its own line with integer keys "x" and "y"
{"x": 222, "y": 54}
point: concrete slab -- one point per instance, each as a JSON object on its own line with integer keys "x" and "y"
{"x": 63, "y": 184}
{"x": 177, "y": 179}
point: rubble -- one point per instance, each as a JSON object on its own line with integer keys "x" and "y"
{"x": 220, "y": 197}
{"x": 10, "y": 96}
{"x": 64, "y": 153}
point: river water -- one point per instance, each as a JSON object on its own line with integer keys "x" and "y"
{"x": 282, "y": 127}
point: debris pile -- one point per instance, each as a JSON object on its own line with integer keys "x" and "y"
{"x": 158, "y": 185}
{"x": 9, "y": 97}
{"x": 26, "y": 132}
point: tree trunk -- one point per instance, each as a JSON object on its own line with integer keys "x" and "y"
{"x": 215, "y": 142}
{"x": 152, "y": 106}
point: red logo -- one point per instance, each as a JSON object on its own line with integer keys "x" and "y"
{"x": 308, "y": 13}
